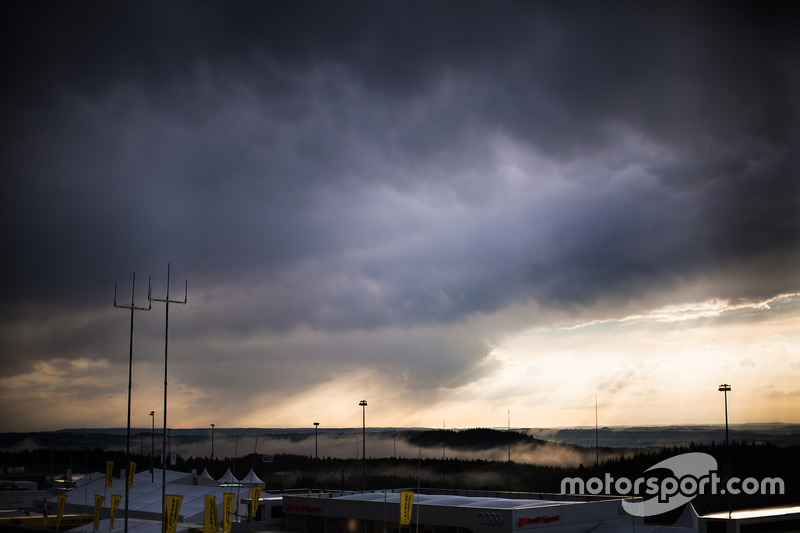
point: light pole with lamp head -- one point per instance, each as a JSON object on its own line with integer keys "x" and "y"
{"x": 152, "y": 444}
{"x": 316, "y": 456}
{"x": 363, "y": 404}
{"x": 725, "y": 388}
{"x": 212, "y": 450}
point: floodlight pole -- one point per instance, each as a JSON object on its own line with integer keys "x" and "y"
{"x": 363, "y": 404}
{"x": 152, "y": 445}
{"x": 133, "y": 308}
{"x": 509, "y": 450}
{"x": 212, "y": 449}
{"x": 725, "y": 388}
{"x": 316, "y": 455}
{"x": 166, "y": 301}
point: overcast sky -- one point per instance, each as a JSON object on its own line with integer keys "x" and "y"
{"x": 467, "y": 213}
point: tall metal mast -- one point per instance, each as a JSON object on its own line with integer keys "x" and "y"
{"x": 167, "y": 301}
{"x": 133, "y": 308}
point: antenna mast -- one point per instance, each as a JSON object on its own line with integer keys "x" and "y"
{"x": 166, "y": 301}
{"x": 133, "y": 308}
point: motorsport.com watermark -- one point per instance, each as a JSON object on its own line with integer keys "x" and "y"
{"x": 692, "y": 474}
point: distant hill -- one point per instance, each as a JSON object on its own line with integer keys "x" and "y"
{"x": 656, "y": 436}
{"x": 474, "y": 439}
{"x": 477, "y": 459}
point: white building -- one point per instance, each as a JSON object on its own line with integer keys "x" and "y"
{"x": 467, "y": 512}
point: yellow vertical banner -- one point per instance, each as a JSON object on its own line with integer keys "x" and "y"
{"x": 256, "y": 496}
{"x": 115, "y": 500}
{"x": 406, "y": 505}
{"x": 131, "y": 473}
{"x": 98, "y": 503}
{"x": 62, "y": 502}
{"x": 211, "y": 523}
{"x": 173, "y": 511}
{"x": 228, "y": 499}
{"x": 109, "y": 473}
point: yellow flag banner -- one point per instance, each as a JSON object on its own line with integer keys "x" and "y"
{"x": 406, "y": 505}
{"x": 62, "y": 502}
{"x": 115, "y": 499}
{"x": 211, "y": 523}
{"x": 256, "y": 496}
{"x": 98, "y": 503}
{"x": 109, "y": 473}
{"x": 173, "y": 511}
{"x": 131, "y": 473}
{"x": 228, "y": 499}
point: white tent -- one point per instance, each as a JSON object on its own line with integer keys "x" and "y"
{"x": 206, "y": 475}
{"x": 251, "y": 479}
{"x": 228, "y": 477}
{"x": 145, "y": 501}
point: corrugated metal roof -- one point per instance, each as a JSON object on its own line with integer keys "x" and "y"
{"x": 447, "y": 500}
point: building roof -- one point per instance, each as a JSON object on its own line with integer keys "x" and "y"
{"x": 452, "y": 500}
{"x": 134, "y": 526}
{"x": 754, "y": 513}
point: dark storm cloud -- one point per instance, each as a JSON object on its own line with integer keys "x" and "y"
{"x": 341, "y": 164}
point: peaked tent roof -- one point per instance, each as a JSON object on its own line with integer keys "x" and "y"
{"x": 205, "y": 474}
{"x": 145, "y": 495}
{"x": 252, "y": 479}
{"x": 228, "y": 477}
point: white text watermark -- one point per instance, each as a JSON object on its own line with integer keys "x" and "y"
{"x": 693, "y": 474}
